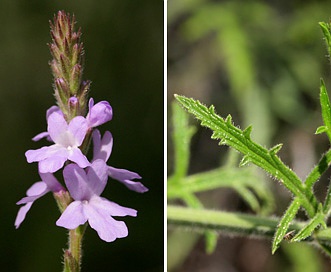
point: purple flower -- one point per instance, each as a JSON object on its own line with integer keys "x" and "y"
{"x": 85, "y": 188}
{"x": 67, "y": 139}
{"x": 102, "y": 149}
{"x": 45, "y": 133}
{"x": 48, "y": 184}
{"x": 99, "y": 113}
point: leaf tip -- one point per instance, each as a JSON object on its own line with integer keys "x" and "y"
{"x": 274, "y": 150}
{"x": 228, "y": 119}
{"x": 244, "y": 161}
{"x": 320, "y": 130}
{"x": 247, "y": 132}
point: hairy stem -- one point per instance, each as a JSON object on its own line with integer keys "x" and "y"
{"x": 230, "y": 223}
{"x": 73, "y": 255}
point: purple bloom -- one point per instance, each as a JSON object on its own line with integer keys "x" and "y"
{"x": 45, "y": 133}
{"x": 99, "y": 113}
{"x": 85, "y": 188}
{"x": 102, "y": 149}
{"x": 67, "y": 139}
{"x": 48, "y": 184}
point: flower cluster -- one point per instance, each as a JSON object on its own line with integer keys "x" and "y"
{"x": 84, "y": 179}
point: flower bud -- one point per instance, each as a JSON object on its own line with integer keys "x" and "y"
{"x": 67, "y": 63}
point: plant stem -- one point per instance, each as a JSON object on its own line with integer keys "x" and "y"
{"x": 230, "y": 223}
{"x": 73, "y": 255}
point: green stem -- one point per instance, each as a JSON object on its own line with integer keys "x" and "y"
{"x": 73, "y": 255}
{"x": 230, "y": 223}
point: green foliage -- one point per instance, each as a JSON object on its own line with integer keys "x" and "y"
{"x": 244, "y": 181}
{"x": 268, "y": 160}
{"x": 266, "y": 64}
{"x": 326, "y": 112}
{"x": 284, "y": 224}
{"x": 240, "y": 140}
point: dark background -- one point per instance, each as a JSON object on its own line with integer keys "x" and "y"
{"x": 124, "y": 60}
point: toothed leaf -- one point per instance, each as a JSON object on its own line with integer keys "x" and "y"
{"x": 285, "y": 223}
{"x": 326, "y": 32}
{"x": 310, "y": 227}
{"x": 260, "y": 156}
{"x": 326, "y": 110}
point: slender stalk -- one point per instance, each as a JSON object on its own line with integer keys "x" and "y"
{"x": 73, "y": 255}
{"x": 70, "y": 92}
{"x": 230, "y": 223}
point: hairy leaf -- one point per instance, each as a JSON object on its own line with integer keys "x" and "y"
{"x": 255, "y": 153}
{"x": 318, "y": 170}
{"x": 310, "y": 227}
{"x": 182, "y": 135}
{"x": 284, "y": 224}
{"x": 326, "y": 111}
{"x": 326, "y": 32}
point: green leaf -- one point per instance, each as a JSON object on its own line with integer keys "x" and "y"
{"x": 326, "y": 248}
{"x": 321, "y": 129}
{"x": 284, "y": 224}
{"x": 244, "y": 161}
{"x": 274, "y": 150}
{"x": 246, "y": 182}
{"x": 318, "y": 170}
{"x": 247, "y": 132}
{"x": 326, "y": 111}
{"x": 260, "y": 156}
{"x": 230, "y": 223}
{"x": 327, "y": 202}
{"x": 326, "y": 32}
{"x": 210, "y": 236}
{"x": 310, "y": 227}
{"x": 211, "y": 241}
{"x": 182, "y": 134}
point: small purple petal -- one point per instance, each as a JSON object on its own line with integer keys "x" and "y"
{"x": 107, "y": 228}
{"x": 21, "y": 214}
{"x": 78, "y": 128}
{"x": 40, "y": 136}
{"x": 99, "y": 113}
{"x": 102, "y": 148}
{"x": 111, "y": 208}
{"x": 73, "y": 101}
{"x": 97, "y": 176}
{"x": 125, "y": 176}
{"x": 57, "y": 126}
{"x": 96, "y": 135}
{"x": 77, "y": 183}
{"x": 51, "y": 182}
{"x": 36, "y": 155}
{"x": 36, "y": 191}
{"x": 134, "y": 186}
{"x": 45, "y": 152}
{"x": 90, "y": 104}
{"x": 122, "y": 174}
{"x": 78, "y": 157}
{"x": 73, "y": 216}
{"x": 51, "y": 110}
{"x": 51, "y": 164}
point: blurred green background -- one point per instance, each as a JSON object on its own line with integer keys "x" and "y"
{"x": 124, "y": 60}
{"x": 261, "y": 62}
